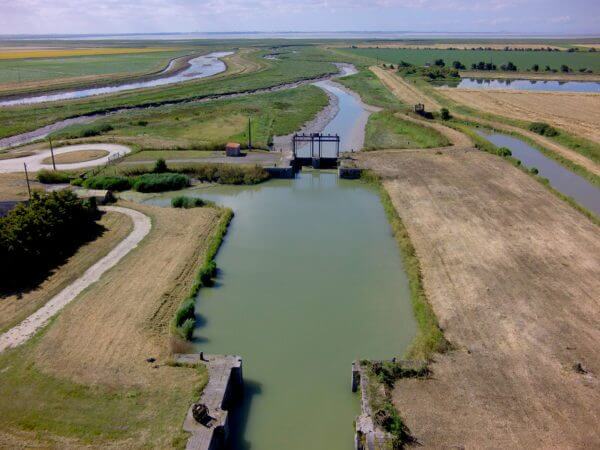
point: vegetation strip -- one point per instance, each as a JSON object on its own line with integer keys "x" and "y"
{"x": 185, "y": 317}
{"x": 430, "y": 339}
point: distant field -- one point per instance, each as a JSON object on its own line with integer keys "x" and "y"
{"x": 19, "y": 53}
{"x": 522, "y": 59}
{"x": 19, "y": 71}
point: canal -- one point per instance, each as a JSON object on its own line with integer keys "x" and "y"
{"x": 529, "y": 85}
{"x": 560, "y": 178}
{"x": 310, "y": 278}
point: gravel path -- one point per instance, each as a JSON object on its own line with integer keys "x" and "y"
{"x": 22, "y": 332}
{"x": 34, "y": 162}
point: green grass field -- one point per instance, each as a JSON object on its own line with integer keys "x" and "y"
{"x": 522, "y": 59}
{"x": 26, "y": 70}
{"x": 210, "y": 125}
{"x": 386, "y": 131}
{"x": 366, "y": 84}
{"x": 296, "y": 67}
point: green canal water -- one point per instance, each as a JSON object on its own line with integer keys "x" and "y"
{"x": 310, "y": 278}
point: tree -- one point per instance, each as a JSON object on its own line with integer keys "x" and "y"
{"x": 564, "y": 68}
{"x": 439, "y": 62}
{"x": 160, "y": 166}
{"x": 547, "y": 69}
{"x": 458, "y": 65}
{"x": 535, "y": 67}
{"x": 508, "y": 67}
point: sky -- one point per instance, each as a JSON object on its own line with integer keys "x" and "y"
{"x": 150, "y": 16}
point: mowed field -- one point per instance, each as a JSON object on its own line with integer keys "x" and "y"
{"x": 578, "y": 113}
{"x": 522, "y": 59}
{"x": 513, "y": 275}
{"x": 86, "y": 379}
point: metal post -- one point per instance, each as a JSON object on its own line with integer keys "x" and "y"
{"x": 52, "y": 153}
{"x": 27, "y": 178}
{"x": 249, "y": 134}
{"x": 319, "y": 146}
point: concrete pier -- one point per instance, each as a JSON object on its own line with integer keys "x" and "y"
{"x": 368, "y": 436}
{"x": 225, "y": 383}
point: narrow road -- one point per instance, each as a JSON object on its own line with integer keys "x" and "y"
{"x": 26, "y": 329}
{"x": 34, "y": 162}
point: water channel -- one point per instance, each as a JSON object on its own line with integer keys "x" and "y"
{"x": 200, "y": 67}
{"x": 560, "y": 178}
{"x": 530, "y": 85}
{"x": 310, "y": 279}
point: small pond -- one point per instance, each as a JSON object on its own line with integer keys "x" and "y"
{"x": 530, "y": 85}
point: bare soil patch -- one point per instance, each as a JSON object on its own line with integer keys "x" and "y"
{"x": 76, "y": 156}
{"x": 15, "y": 308}
{"x": 107, "y": 334}
{"x": 13, "y": 186}
{"x": 578, "y": 113}
{"x": 513, "y": 275}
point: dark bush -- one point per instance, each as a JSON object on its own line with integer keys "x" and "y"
{"x": 160, "y": 166}
{"x": 503, "y": 151}
{"x": 111, "y": 183}
{"x": 53, "y": 176}
{"x": 226, "y": 174}
{"x": 160, "y": 182}
{"x": 543, "y": 128}
{"x": 186, "y": 330}
{"x": 36, "y": 236}
{"x": 186, "y": 311}
{"x": 445, "y": 114}
{"x": 187, "y": 202}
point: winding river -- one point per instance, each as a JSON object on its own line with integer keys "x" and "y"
{"x": 200, "y": 67}
{"x": 310, "y": 279}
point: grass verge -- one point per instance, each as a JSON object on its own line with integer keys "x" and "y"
{"x": 185, "y": 318}
{"x": 430, "y": 338}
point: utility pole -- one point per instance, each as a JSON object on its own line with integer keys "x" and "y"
{"x": 249, "y": 134}
{"x": 27, "y": 178}
{"x": 52, "y": 153}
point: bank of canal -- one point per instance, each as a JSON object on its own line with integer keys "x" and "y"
{"x": 560, "y": 178}
{"x": 310, "y": 279}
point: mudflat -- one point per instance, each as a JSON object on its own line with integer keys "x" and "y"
{"x": 513, "y": 274}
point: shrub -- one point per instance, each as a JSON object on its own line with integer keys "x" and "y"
{"x": 186, "y": 331}
{"x": 77, "y": 182}
{"x": 543, "y": 128}
{"x": 160, "y": 182}
{"x": 226, "y": 174}
{"x": 187, "y": 202}
{"x": 53, "y": 176}
{"x": 40, "y": 234}
{"x": 160, "y": 166}
{"x": 142, "y": 123}
{"x": 445, "y": 114}
{"x": 111, "y": 183}
{"x": 534, "y": 170}
{"x": 186, "y": 311}
{"x": 503, "y": 151}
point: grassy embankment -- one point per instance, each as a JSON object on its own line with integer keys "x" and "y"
{"x": 385, "y": 130}
{"x": 16, "y": 120}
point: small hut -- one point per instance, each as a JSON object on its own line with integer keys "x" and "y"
{"x": 233, "y": 149}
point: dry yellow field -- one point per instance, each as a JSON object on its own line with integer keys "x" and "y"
{"x": 578, "y": 113}
{"x": 107, "y": 334}
{"x": 513, "y": 274}
{"x": 25, "y": 53}
{"x": 77, "y": 156}
{"x": 14, "y": 308}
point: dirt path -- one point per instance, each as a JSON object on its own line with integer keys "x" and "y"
{"x": 22, "y": 332}
{"x": 513, "y": 275}
{"x": 407, "y": 93}
{"x": 36, "y": 162}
